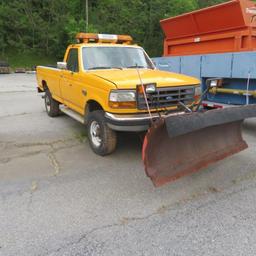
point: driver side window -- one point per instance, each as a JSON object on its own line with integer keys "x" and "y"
{"x": 72, "y": 60}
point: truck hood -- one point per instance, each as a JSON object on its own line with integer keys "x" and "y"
{"x": 129, "y": 79}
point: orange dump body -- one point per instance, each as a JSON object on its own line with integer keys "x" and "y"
{"x": 227, "y": 27}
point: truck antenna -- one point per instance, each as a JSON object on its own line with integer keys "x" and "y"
{"x": 86, "y": 15}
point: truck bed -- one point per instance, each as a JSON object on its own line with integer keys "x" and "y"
{"x": 49, "y": 76}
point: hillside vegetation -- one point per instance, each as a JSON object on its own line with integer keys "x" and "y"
{"x": 33, "y": 31}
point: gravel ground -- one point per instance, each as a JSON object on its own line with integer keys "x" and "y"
{"x": 58, "y": 198}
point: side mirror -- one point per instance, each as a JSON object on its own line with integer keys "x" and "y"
{"x": 62, "y": 65}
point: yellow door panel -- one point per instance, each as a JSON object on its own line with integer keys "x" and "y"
{"x": 72, "y": 87}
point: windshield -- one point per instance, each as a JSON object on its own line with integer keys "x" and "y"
{"x": 115, "y": 57}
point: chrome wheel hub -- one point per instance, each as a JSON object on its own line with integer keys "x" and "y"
{"x": 95, "y": 134}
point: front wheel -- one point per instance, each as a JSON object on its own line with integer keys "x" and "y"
{"x": 102, "y": 139}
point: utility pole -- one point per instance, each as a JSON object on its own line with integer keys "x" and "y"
{"x": 86, "y": 15}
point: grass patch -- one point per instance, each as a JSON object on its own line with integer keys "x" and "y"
{"x": 27, "y": 60}
{"x": 81, "y": 136}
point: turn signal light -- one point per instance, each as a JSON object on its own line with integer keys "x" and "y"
{"x": 130, "y": 104}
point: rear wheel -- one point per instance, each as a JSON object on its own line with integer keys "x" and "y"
{"x": 102, "y": 139}
{"x": 51, "y": 105}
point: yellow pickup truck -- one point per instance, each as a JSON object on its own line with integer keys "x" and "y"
{"x": 102, "y": 82}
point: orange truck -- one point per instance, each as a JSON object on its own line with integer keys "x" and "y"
{"x": 110, "y": 84}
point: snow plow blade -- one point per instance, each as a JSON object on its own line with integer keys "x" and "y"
{"x": 179, "y": 145}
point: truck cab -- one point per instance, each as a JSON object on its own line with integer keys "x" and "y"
{"x": 110, "y": 84}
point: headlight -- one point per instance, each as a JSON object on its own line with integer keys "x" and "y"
{"x": 121, "y": 96}
{"x": 198, "y": 91}
{"x": 122, "y": 99}
{"x": 149, "y": 88}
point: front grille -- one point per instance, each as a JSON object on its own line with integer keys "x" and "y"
{"x": 167, "y": 97}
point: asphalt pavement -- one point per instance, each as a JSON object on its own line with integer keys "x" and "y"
{"x": 58, "y": 198}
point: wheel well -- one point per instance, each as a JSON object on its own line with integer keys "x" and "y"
{"x": 93, "y": 105}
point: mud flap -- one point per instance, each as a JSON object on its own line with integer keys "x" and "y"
{"x": 179, "y": 145}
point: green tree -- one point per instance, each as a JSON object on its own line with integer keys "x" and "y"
{"x": 206, "y": 3}
{"x": 46, "y": 27}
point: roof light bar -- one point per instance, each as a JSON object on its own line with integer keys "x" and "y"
{"x": 103, "y": 38}
{"x": 108, "y": 37}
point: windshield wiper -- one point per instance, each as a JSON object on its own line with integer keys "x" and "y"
{"x": 117, "y": 68}
{"x": 98, "y": 68}
{"x": 104, "y": 68}
{"x": 136, "y": 66}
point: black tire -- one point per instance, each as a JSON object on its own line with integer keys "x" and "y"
{"x": 51, "y": 105}
{"x": 103, "y": 143}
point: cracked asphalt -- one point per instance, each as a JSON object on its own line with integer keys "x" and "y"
{"x": 58, "y": 198}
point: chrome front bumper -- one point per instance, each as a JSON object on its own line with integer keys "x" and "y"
{"x": 133, "y": 122}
